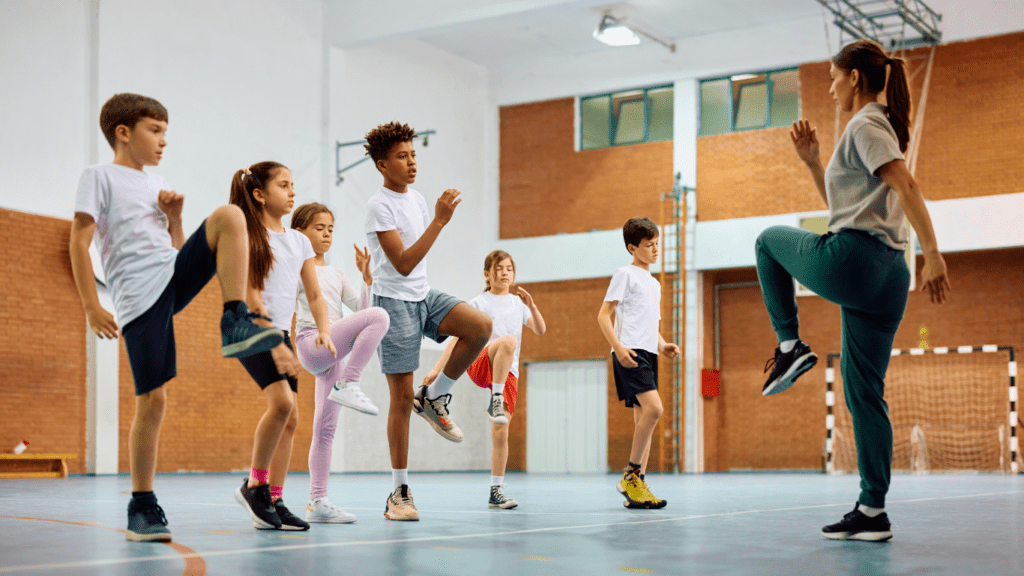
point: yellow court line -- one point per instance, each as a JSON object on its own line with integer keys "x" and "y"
{"x": 636, "y": 570}
{"x": 541, "y": 558}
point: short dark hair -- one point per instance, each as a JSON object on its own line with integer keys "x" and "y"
{"x": 128, "y": 109}
{"x": 380, "y": 140}
{"x": 636, "y": 230}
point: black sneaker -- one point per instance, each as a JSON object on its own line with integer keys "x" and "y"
{"x": 260, "y": 505}
{"x": 241, "y": 337}
{"x": 289, "y": 521}
{"x": 499, "y": 500}
{"x": 857, "y": 526}
{"x": 786, "y": 367}
{"x": 146, "y": 521}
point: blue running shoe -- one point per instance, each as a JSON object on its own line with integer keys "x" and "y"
{"x": 241, "y": 337}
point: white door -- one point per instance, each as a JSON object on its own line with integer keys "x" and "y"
{"x": 567, "y": 417}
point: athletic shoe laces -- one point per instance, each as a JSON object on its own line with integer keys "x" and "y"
{"x": 154, "y": 514}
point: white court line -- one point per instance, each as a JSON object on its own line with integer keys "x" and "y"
{"x": 206, "y": 555}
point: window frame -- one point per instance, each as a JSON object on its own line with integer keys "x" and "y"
{"x": 769, "y": 96}
{"x": 645, "y": 98}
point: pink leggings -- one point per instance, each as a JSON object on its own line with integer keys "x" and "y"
{"x": 355, "y": 336}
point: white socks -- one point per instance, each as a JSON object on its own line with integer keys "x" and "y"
{"x": 497, "y": 388}
{"x": 441, "y": 386}
{"x": 869, "y": 511}
{"x": 787, "y": 346}
{"x": 497, "y": 480}
{"x": 400, "y": 477}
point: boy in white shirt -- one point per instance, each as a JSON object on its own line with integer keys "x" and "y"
{"x": 634, "y": 296}
{"x": 399, "y": 232}
{"x": 153, "y": 272}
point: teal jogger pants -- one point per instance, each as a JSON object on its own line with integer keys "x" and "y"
{"x": 869, "y": 281}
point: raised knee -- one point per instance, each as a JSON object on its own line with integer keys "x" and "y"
{"x": 380, "y": 316}
{"x": 483, "y": 327}
{"x": 508, "y": 342}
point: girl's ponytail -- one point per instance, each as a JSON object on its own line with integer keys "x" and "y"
{"x": 243, "y": 184}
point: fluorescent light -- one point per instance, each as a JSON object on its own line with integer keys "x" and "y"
{"x": 614, "y": 33}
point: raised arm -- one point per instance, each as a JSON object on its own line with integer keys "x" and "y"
{"x": 933, "y": 275}
{"x": 536, "y": 321}
{"x": 405, "y": 259}
{"x": 100, "y": 320}
{"x": 805, "y": 141}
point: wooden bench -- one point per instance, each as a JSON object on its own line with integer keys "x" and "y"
{"x": 34, "y": 465}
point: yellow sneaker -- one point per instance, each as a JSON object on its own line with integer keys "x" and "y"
{"x": 633, "y": 489}
{"x": 400, "y": 505}
{"x": 656, "y": 503}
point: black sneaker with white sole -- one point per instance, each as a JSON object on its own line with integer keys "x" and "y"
{"x": 858, "y": 526}
{"x": 260, "y": 504}
{"x": 241, "y": 337}
{"x": 289, "y": 521}
{"x": 786, "y": 367}
{"x": 146, "y": 521}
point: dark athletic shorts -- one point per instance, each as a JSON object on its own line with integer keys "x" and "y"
{"x": 632, "y": 381}
{"x": 149, "y": 338}
{"x": 264, "y": 371}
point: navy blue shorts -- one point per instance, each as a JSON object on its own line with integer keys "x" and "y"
{"x": 150, "y": 337}
{"x": 629, "y": 382}
{"x": 264, "y": 370}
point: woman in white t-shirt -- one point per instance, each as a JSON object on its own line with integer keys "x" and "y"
{"x": 337, "y": 375}
{"x": 859, "y": 264}
{"x": 497, "y": 366}
{"x": 279, "y": 258}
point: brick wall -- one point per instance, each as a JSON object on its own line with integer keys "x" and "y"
{"x": 42, "y": 344}
{"x": 546, "y": 187}
{"x": 744, "y": 430}
{"x": 213, "y": 405}
{"x": 970, "y": 144}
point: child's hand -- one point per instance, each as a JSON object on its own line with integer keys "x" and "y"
{"x": 429, "y": 378}
{"x": 445, "y": 206}
{"x": 524, "y": 296}
{"x": 170, "y": 203}
{"x": 102, "y": 322}
{"x": 363, "y": 263}
{"x": 625, "y": 357}
{"x": 669, "y": 349}
{"x": 285, "y": 360}
{"x": 324, "y": 339}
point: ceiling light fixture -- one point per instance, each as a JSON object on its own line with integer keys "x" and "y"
{"x": 614, "y": 32}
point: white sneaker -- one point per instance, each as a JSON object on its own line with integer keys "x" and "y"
{"x": 320, "y": 510}
{"x": 352, "y": 397}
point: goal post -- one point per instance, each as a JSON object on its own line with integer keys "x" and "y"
{"x": 952, "y": 410}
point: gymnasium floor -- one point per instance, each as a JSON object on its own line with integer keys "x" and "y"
{"x": 714, "y": 524}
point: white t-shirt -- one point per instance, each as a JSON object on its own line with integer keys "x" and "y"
{"x": 508, "y": 316}
{"x": 638, "y": 311}
{"x": 131, "y": 234}
{"x": 857, "y": 198}
{"x": 291, "y": 250}
{"x": 337, "y": 288}
{"x": 407, "y": 213}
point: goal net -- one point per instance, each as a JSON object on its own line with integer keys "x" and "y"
{"x": 952, "y": 410}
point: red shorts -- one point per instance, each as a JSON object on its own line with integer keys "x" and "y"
{"x": 480, "y": 374}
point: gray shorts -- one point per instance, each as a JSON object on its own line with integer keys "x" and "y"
{"x": 399, "y": 351}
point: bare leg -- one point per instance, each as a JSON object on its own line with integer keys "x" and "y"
{"x": 473, "y": 328}
{"x": 280, "y": 404}
{"x": 646, "y": 417}
{"x": 499, "y": 442}
{"x": 145, "y": 437}
{"x": 283, "y": 452}
{"x": 501, "y": 352}
{"x": 226, "y": 234}
{"x": 399, "y": 413}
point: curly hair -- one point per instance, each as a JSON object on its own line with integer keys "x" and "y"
{"x": 380, "y": 140}
{"x": 127, "y": 108}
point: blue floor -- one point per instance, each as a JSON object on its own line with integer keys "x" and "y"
{"x": 714, "y": 524}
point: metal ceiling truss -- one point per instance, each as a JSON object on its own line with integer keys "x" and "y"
{"x": 895, "y": 24}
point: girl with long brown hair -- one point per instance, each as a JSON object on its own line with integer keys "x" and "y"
{"x": 858, "y": 264}
{"x": 280, "y": 258}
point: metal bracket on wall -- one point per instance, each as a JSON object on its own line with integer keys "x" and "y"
{"x": 895, "y": 24}
{"x": 339, "y": 145}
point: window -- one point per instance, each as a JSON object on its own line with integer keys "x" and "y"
{"x": 629, "y": 117}
{"x": 749, "y": 102}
